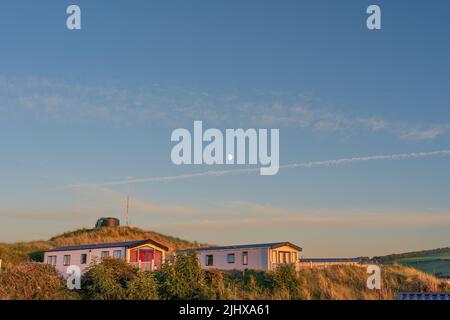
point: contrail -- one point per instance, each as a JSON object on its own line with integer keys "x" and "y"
{"x": 313, "y": 164}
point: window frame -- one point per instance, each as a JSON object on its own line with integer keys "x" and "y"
{"x": 284, "y": 257}
{"x": 119, "y": 256}
{"x": 245, "y": 258}
{"x": 85, "y": 258}
{"x": 231, "y": 255}
{"x": 66, "y": 260}
{"x": 207, "y": 261}
{"x": 293, "y": 257}
{"x": 104, "y": 254}
{"x": 51, "y": 260}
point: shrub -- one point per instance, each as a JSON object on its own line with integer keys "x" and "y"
{"x": 33, "y": 281}
{"x": 286, "y": 283}
{"x": 182, "y": 278}
{"x": 142, "y": 287}
{"x": 108, "y": 280}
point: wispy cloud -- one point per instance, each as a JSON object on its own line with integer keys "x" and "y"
{"x": 173, "y": 106}
{"x": 312, "y": 164}
{"x": 307, "y": 218}
{"x": 112, "y": 199}
{"x": 424, "y": 134}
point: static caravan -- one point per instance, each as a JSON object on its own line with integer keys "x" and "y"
{"x": 263, "y": 256}
{"x": 147, "y": 255}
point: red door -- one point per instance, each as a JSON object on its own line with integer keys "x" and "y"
{"x": 145, "y": 255}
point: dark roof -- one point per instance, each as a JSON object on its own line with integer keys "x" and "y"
{"x": 128, "y": 244}
{"x": 331, "y": 260}
{"x": 249, "y": 246}
{"x": 423, "y": 296}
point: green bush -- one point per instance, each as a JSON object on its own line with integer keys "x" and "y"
{"x": 286, "y": 282}
{"x": 115, "y": 279}
{"x": 182, "y": 278}
{"x": 108, "y": 280}
{"x": 142, "y": 287}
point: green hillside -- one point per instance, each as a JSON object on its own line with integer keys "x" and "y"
{"x": 16, "y": 253}
{"x": 435, "y": 262}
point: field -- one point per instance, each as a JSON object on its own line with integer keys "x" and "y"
{"x": 437, "y": 264}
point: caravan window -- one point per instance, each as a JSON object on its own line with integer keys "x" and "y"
{"x": 274, "y": 256}
{"x": 51, "y": 260}
{"x": 66, "y": 260}
{"x": 293, "y": 257}
{"x": 284, "y": 257}
{"x": 230, "y": 258}
{"x": 209, "y": 260}
{"x": 245, "y": 258}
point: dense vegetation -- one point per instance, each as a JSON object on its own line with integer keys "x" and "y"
{"x": 33, "y": 281}
{"x": 183, "y": 278}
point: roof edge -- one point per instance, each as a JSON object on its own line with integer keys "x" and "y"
{"x": 149, "y": 241}
{"x": 247, "y": 246}
{"x": 287, "y": 243}
{"x": 125, "y": 244}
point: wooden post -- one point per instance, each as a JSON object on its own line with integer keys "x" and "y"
{"x": 153, "y": 259}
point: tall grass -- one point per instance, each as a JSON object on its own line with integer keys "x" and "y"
{"x": 184, "y": 279}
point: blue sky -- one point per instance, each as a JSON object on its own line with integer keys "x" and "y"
{"x": 98, "y": 105}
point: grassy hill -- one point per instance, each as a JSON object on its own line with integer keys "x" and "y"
{"x": 435, "y": 262}
{"x": 16, "y": 253}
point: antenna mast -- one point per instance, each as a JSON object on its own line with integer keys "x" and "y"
{"x": 126, "y": 214}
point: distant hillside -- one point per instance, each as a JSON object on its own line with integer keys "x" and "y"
{"x": 13, "y": 254}
{"x": 436, "y": 261}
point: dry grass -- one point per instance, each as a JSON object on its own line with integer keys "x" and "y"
{"x": 39, "y": 281}
{"x": 333, "y": 283}
{"x": 111, "y": 234}
{"x": 344, "y": 283}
